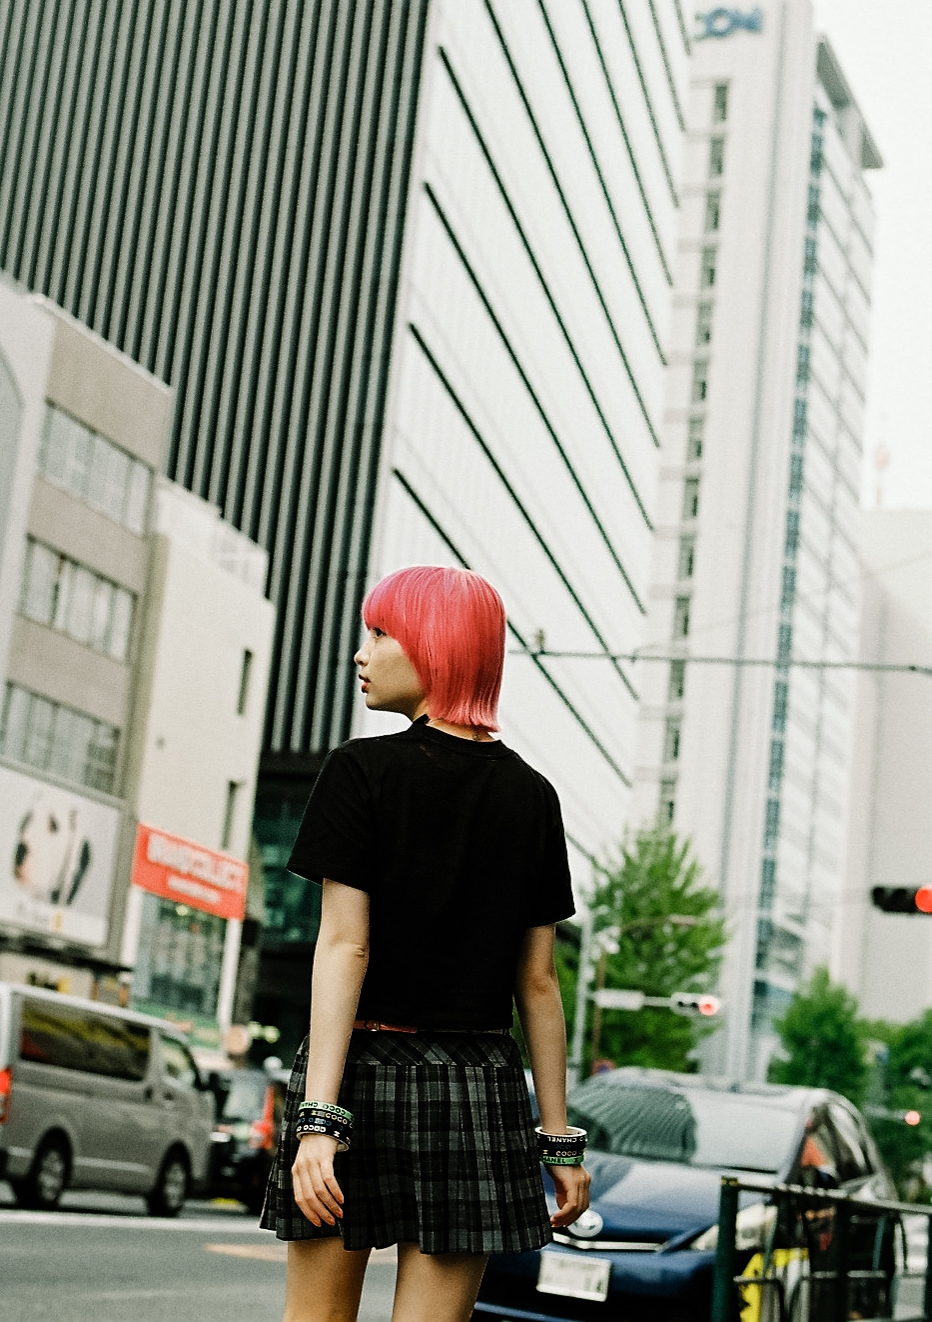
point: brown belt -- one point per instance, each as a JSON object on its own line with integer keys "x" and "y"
{"x": 376, "y": 1026}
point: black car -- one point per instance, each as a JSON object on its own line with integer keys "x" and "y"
{"x": 659, "y": 1144}
{"x": 245, "y": 1137}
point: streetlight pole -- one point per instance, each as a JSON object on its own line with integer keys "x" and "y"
{"x": 583, "y": 978}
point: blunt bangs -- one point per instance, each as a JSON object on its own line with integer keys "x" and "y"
{"x": 451, "y": 624}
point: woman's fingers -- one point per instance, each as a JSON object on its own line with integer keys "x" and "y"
{"x": 571, "y": 1184}
{"x": 316, "y": 1188}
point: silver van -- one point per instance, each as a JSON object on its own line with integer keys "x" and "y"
{"x": 93, "y": 1097}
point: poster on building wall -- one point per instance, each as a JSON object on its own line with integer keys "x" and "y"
{"x": 188, "y": 873}
{"x": 57, "y": 853}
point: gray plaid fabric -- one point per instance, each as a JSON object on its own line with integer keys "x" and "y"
{"x": 443, "y": 1151}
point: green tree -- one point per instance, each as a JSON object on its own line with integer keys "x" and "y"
{"x": 908, "y": 1088}
{"x": 822, "y": 1039}
{"x": 639, "y": 905}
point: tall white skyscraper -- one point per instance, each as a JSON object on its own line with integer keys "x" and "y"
{"x": 755, "y": 555}
{"x": 526, "y": 404}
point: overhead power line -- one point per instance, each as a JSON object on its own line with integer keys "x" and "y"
{"x": 877, "y": 667}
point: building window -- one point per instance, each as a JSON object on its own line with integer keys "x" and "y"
{"x": 768, "y": 882}
{"x": 716, "y": 157}
{"x": 700, "y": 380}
{"x": 815, "y": 159}
{"x": 802, "y": 364}
{"x": 690, "y": 498}
{"x": 809, "y": 259}
{"x": 245, "y": 675}
{"x": 50, "y": 737}
{"x": 812, "y": 206}
{"x": 713, "y": 212}
{"x": 66, "y": 596}
{"x": 806, "y": 310}
{"x": 667, "y": 802}
{"x": 780, "y": 698}
{"x": 707, "y": 269}
{"x": 796, "y": 476}
{"x": 788, "y": 595}
{"x": 703, "y": 323}
{"x": 775, "y": 774}
{"x": 720, "y": 103}
{"x": 229, "y": 813}
{"x": 677, "y": 685}
{"x": 94, "y": 469}
{"x": 800, "y": 418}
{"x": 671, "y": 741}
{"x": 792, "y": 534}
{"x": 772, "y": 824}
{"x": 784, "y": 642}
{"x": 687, "y": 558}
{"x": 179, "y": 962}
{"x": 681, "y": 617}
{"x": 694, "y": 438}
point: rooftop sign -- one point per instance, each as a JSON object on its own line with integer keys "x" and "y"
{"x": 722, "y": 22}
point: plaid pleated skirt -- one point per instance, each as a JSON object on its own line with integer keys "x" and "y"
{"x": 443, "y": 1151}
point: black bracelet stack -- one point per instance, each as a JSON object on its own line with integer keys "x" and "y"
{"x": 325, "y": 1118}
{"x": 561, "y": 1149}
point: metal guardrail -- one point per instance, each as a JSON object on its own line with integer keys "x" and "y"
{"x": 810, "y": 1263}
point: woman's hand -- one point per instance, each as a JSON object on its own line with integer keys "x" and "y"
{"x": 316, "y": 1190}
{"x": 571, "y": 1184}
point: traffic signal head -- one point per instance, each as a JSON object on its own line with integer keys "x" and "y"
{"x": 692, "y": 1003}
{"x": 902, "y": 899}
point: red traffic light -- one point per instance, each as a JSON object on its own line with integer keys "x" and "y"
{"x": 692, "y": 1003}
{"x": 903, "y": 899}
{"x": 912, "y": 1117}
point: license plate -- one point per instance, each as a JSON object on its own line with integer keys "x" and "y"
{"x": 579, "y": 1278}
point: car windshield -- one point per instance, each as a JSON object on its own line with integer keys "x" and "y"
{"x": 716, "y": 1130}
{"x": 244, "y": 1097}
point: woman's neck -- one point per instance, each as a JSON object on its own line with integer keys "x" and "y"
{"x": 462, "y": 731}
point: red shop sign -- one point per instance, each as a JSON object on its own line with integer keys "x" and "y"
{"x": 187, "y": 873}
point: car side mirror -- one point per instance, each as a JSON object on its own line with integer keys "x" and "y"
{"x": 819, "y": 1177}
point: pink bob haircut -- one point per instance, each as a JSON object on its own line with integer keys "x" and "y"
{"x": 451, "y": 624}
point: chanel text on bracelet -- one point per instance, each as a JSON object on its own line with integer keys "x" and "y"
{"x": 328, "y": 1108}
{"x": 576, "y": 1138}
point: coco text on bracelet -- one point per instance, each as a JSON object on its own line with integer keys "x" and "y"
{"x": 330, "y": 1127}
{"x": 561, "y": 1149}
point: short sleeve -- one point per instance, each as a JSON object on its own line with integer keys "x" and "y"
{"x": 335, "y": 836}
{"x": 552, "y": 893}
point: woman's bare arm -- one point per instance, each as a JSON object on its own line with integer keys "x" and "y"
{"x": 540, "y": 1010}
{"x": 341, "y": 957}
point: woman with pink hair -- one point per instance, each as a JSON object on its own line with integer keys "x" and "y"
{"x": 443, "y": 864}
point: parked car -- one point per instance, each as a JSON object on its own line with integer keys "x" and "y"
{"x": 659, "y": 1144}
{"x": 245, "y": 1136}
{"x": 95, "y": 1097}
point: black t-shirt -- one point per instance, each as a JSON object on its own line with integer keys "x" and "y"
{"x": 460, "y": 847}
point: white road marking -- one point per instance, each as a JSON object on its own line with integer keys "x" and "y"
{"x": 98, "y": 1220}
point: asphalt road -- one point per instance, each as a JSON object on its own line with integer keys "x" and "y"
{"x": 102, "y": 1259}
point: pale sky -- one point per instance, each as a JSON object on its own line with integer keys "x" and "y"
{"x": 885, "y": 49}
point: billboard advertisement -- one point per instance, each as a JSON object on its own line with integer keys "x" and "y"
{"x": 189, "y": 873}
{"x": 57, "y": 853}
